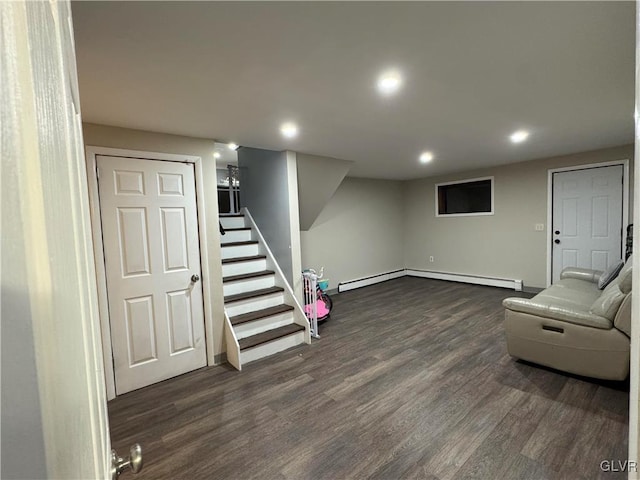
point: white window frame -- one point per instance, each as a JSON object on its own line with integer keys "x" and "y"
{"x": 476, "y": 214}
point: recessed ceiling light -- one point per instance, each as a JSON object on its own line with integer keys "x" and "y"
{"x": 389, "y": 82}
{"x": 233, "y": 146}
{"x": 289, "y": 129}
{"x": 216, "y": 155}
{"x": 519, "y": 136}
{"x": 426, "y": 157}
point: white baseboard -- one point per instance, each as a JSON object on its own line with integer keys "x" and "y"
{"x": 457, "y": 277}
{"x": 452, "y": 277}
{"x": 372, "y": 280}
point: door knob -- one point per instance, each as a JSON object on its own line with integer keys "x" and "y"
{"x": 556, "y": 241}
{"x": 133, "y": 461}
{"x": 195, "y": 278}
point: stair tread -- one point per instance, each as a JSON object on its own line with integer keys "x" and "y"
{"x": 268, "y": 336}
{"x": 230, "y": 215}
{"x": 237, "y": 244}
{"x": 243, "y": 259}
{"x": 258, "y": 314}
{"x": 252, "y": 294}
{"x": 237, "y": 229}
{"x": 247, "y": 276}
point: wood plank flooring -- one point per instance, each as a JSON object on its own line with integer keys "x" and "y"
{"x": 410, "y": 379}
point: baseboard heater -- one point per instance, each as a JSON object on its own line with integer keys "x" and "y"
{"x": 458, "y": 277}
{"x": 372, "y": 280}
{"x": 451, "y": 277}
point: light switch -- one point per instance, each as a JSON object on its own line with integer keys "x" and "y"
{"x": 539, "y": 227}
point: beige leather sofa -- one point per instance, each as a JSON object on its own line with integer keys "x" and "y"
{"x": 573, "y": 326}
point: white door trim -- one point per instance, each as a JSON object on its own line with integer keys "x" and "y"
{"x": 96, "y": 228}
{"x": 625, "y": 202}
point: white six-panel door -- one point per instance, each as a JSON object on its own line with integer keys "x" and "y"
{"x": 587, "y": 218}
{"x": 152, "y": 263}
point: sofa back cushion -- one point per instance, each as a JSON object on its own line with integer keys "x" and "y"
{"x": 607, "y": 304}
{"x": 609, "y": 274}
{"x": 624, "y": 277}
{"x": 623, "y": 317}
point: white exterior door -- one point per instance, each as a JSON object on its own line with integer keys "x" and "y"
{"x": 152, "y": 263}
{"x": 587, "y": 218}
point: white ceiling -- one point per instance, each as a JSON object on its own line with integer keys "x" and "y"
{"x": 473, "y": 73}
{"x": 225, "y": 156}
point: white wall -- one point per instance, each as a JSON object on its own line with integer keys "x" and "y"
{"x": 22, "y": 438}
{"x": 266, "y": 191}
{"x": 318, "y": 179}
{"x": 503, "y": 245}
{"x": 634, "y": 375}
{"x": 359, "y": 233}
{"x": 53, "y": 400}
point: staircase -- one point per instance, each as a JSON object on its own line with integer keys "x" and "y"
{"x": 262, "y": 315}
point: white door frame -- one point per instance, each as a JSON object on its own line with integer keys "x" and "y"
{"x": 625, "y": 202}
{"x": 96, "y": 227}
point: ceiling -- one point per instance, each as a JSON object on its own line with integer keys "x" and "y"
{"x": 224, "y": 155}
{"x": 473, "y": 72}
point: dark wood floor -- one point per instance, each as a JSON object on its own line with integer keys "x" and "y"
{"x": 411, "y": 379}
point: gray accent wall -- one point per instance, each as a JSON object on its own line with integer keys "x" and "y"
{"x": 359, "y": 232}
{"x": 318, "y": 179}
{"x": 264, "y": 190}
{"x": 504, "y": 245}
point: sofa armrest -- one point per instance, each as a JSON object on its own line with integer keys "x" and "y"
{"x": 556, "y": 312}
{"x": 581, "y": 274}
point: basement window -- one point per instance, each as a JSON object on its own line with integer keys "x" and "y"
{"x": 465, "y": 198}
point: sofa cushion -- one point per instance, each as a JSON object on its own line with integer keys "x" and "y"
{"x": 570, "y": 293}
{"x": 608, "y": 303}
{"x": 609, "y": 274}
{"x": 557, "y": 310}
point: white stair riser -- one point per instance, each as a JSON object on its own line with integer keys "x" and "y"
{"x": 240, "y": 251}
{"x": 239, "y": 236}
{"x": 232, "y": 222}
{"x": 253, "y": 304}
{"x": 241, "y": 286}
{"x": 262, "y": 325}
{"x": 240, "y": 268}
{"x": 270, "y": 348}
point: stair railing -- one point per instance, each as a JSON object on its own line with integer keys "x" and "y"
{"x": 234, "y": 188}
